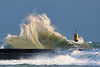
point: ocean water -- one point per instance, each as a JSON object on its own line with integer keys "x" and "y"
{"x": 26, "y": 65}
{"x": 38, "y": 33}
{"x": 65, "y": 58}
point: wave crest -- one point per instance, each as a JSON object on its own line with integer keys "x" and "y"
{"x": 38, "y": 34}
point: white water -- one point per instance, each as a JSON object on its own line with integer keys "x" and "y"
{"x": 72, "y": 58}
{"x": 38, "y": 33}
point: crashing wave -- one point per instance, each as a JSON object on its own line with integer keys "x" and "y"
{"x": 37, "y": 33}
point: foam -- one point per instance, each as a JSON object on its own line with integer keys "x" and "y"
{"x": 62, "y": 59}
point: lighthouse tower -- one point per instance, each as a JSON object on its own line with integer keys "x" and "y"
{"x": 76, "y": 36}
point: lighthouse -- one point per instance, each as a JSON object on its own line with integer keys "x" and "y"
{"x": 76, "y": 36}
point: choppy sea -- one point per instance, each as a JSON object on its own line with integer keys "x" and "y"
{"x": 65, "y": 58}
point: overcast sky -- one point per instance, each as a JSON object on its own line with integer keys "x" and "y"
{"x": 65, "y": 15}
